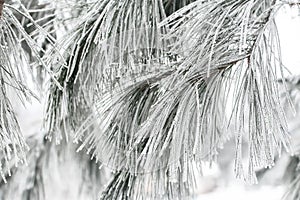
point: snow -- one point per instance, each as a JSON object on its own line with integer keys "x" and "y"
{"x": 30, "y": 119}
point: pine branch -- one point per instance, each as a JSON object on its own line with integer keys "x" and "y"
{"x": 188, "y": 122}
{"x": 118, "y": 117}
{"x": 65, "y": 113}
{"x": 233, "y": 50}
{"x": 228, "y": 49}
{"x": 44, "y": 17}
{"x": 14, "y": 67}
{"x": 156, "y": 185}
{"x": 13, "y": 146}
{"x": 115, "y": 43}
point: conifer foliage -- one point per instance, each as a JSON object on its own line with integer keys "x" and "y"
{"x": 150, "y": 89}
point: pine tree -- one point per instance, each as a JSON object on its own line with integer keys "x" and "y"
{"x": 140, "y": 94}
